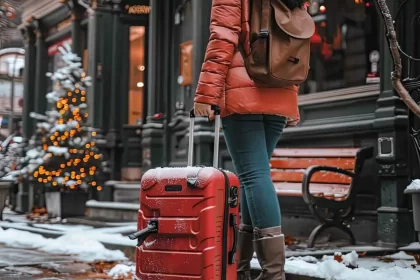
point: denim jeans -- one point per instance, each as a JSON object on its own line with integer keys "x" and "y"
{"x": 251, "y": 140}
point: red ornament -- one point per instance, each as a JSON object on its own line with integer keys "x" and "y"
{"x": 157, "y": 116}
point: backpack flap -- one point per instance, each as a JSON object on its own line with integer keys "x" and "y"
{"x": 296, "y": 23}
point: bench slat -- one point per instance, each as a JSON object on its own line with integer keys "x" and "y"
{"x": 318, "y": 152}
{"x": 319, "y": 177}
{"x": 297, "y": 163}
{"x": 295, "y": 189}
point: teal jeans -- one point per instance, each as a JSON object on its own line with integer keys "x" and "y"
{"x": 251, "y": 140}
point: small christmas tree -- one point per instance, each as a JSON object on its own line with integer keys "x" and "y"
{"x": 63, "y": 151}
{"x": 10, "y": 152}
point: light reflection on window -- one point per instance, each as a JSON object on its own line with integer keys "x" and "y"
{"x": 345, "y": 48}
{"x": 137, "y": 68}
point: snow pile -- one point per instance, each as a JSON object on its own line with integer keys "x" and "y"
{"x": 411, "y": 247}
{"x": 84, "y": 247}
{"x": 400, "y": 256}
{"x": 121, "y": 270}
{"x": 22, "y": 239}
{"x": 415, "y": 185}
{"x": 349, "y": 259}
{"x": 331, "y": 269}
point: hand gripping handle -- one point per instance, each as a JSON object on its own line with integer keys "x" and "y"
{"x": 216, "y": 110}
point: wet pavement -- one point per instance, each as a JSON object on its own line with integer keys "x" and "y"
{"x": 24, "y": 264}
{"x": 24, "y": 257}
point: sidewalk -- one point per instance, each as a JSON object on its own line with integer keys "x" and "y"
{"x": 22, "y": 264}
{"x": 112, "y": 243}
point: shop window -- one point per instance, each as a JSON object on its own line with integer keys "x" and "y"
{"x": 345, "y": 48}
{"x": 11, "y": 64}
{"x": 12, "y": 61}
{"x": 137, "y": 68}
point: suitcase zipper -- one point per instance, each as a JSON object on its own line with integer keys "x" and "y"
{"x": 225, "y": 226}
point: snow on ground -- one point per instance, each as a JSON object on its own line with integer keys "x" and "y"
{"x": 328, "y": 268}
{"x": 368, "y": 268}
{"x": 414, "y": 185}
{"x": 105, "y": 235}
{"x": 415, "y": 246}
{"x": 348, "y": 259}
{"x": 331, "y": 269}
{"x": 121, "y": 270}
{"x": 400, "y": 256}
{"x": 63, "y": 227}
{"x": 83, "y": 246}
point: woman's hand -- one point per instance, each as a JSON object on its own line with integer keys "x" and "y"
{"x": 203, "y": 110}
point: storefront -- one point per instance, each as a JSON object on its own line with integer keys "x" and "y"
{"x": 347, "y": 101}
{"x": 145, "y": 59}
{"x": 111, "y": 37}
{"x": 345, "y": 47}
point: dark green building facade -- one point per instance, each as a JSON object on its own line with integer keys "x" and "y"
{"x": 348, "y": 100}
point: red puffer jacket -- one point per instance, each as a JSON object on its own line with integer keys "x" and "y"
{"x": 224, "y": 80}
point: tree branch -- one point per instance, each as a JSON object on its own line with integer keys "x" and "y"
{"x": 393, "y": 46}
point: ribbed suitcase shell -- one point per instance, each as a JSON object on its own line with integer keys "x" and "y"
{"x": 194, "y": 207}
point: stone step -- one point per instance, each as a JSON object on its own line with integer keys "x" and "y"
{"x": 127, "y": 192}
{"x": 107, "y": 193}
{"x": 117, "y": 211}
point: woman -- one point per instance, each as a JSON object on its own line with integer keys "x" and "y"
{"x": 254, "y": 117}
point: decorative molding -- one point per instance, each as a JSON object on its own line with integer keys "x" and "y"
{"x": 28, "y": 35}
{"x": 29, "y": 19}
{"x": 61, "y": 25}
{"x": 39, "y": 8}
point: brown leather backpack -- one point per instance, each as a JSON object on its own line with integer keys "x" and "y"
{"x": 280, "y": 43}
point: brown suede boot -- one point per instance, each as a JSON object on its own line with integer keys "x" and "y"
{"x": 246, "y": 252}
{"x": 270, "y": 248}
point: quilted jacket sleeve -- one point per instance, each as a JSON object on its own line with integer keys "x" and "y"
{"x": 225, "y": 28}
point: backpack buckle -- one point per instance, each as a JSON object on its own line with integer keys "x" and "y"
{"x": 263, "y": 34}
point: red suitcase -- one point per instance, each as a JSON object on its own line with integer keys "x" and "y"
{"x": 188, "y": 221}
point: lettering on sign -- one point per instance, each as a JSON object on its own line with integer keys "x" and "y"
{"x": 138, "y": 9}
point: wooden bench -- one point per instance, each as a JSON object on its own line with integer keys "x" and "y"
{"x": 326, "y": 178}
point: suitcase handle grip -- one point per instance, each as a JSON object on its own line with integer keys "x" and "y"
{"x": 216, "y": 110}
{"x": 232, "y": 253}
{"x": 152, "y": 227}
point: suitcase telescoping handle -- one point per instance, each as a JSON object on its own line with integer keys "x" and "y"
{"x": 216, "y": 110}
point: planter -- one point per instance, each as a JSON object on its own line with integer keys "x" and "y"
{"x": 415, "y": 198}
{"x": 66, "y": 204}
{"x": 4, "y": 193}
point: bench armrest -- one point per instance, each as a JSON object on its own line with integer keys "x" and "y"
{"x": 310, "y": 171}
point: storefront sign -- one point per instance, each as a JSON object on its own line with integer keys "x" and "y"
{"x": 53, "y": 49}
{"x": 138, "y": 9}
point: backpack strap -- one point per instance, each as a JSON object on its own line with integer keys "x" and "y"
{"x": 265, "y": 18}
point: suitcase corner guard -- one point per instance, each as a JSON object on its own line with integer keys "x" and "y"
{"x": 152, "y": 227}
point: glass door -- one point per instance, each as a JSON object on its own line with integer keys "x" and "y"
{"x": 136, "y": 74}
